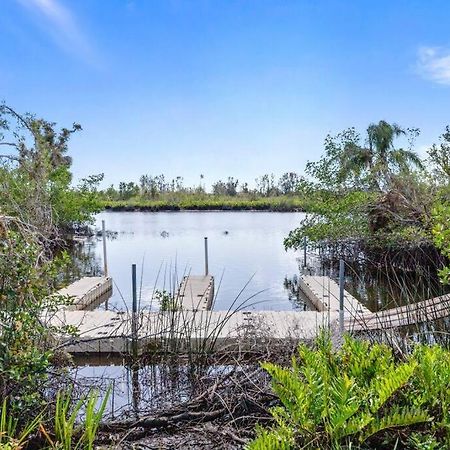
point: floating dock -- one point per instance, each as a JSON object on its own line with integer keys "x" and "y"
{"x": 323, "y": 293}
{"x": 196, "y": 293}
{"x": 110, "y": 332}
{"x": 86, "y": 291}
{"x": 193, "y": 325}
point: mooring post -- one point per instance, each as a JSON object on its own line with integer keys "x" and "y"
{"x": 206, "y": 257}
{"x": 105, "y": 261}
{"x": 134, "y": 318}
{"x": 304, "y": 251}
{"x": 341, "y": 294}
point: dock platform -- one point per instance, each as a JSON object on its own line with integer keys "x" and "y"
{"x": 109, "y": 332}
{"x": 86, "y": 291}
{"x": 323, "y": 293}
{"x": 194, "y": 325}
{"x": 196, "y": 293}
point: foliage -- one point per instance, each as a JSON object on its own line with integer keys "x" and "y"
{"x": 350, "y": 163}
{"x": 439, "y": 156}
{"x": 159, "y": 188}
{"x": 10, "y": 436}
{"x": 166, "y": 300}
{"x": 26, "y": 281}
{"x": 331, "y": 217}
{"x": 35, "y": 177}
{"x": 69, "y": 434}
{"x": 228, "y": 187}
{"x": 359, "y": 397}
{"x": 441, "y": 235}
{"x": 207, "y": 202}
{"x": 368, "y": 191}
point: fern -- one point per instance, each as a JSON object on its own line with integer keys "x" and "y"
{"x": 329, "y": 399}
{"x": 397, "y": 417}
{"x": 272, "y": 439}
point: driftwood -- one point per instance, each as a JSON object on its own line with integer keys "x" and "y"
{"x": 228, "y": 407}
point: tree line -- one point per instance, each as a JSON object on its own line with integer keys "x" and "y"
{"x": 153, "y": 186}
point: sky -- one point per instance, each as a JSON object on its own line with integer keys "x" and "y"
{"x": 222, "y": 87}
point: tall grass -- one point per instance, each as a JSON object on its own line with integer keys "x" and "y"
{"x": 69, "y": 433}
{"x": 12, "y": 435}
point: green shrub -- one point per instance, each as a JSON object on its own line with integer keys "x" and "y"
{"x": 359, "y": 397}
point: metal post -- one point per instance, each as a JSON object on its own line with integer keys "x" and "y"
{"x": 206, "y": 257}
{"x": 105, "y": 261}
{"x": 341, "y": 294}
{"x": 304, "y": 252}
{"x": 134, "y": 325}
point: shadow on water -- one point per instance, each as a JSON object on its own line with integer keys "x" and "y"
{"x": 83, "y": 261}
{"x": 138, "y": 389}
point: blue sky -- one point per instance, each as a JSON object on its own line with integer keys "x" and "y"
{"x": 222, "y": 87}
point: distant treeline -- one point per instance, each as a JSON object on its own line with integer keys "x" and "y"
{"x": 156, "y": 193}
{"x": 156, "y": 187}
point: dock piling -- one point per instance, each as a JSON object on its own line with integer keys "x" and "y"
{"x": 105, "y": 261}
{"x": 206, "y": 257}
{"x": 304, "y": 251}
{"x": 134, "y": 318}
{"x": 341, "y": 294}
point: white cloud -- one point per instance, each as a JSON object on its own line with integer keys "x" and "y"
{"x": 434, "y": 64}
{"x": 61, "y": 24}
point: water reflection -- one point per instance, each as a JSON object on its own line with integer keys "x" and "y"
{"x": 379, "y": 286}
{"x": 243, "y": 246}
{"x": 137, "y": 390}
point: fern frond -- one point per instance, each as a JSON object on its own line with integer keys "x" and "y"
{"x": 397, "y": 417}
{"x": 384, "y": 387}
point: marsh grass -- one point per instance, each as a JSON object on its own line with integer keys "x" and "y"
{"x": 207, "y": 202}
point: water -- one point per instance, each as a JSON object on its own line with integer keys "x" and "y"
{"x": 244, "y": 247}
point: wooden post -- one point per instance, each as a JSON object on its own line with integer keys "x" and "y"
{"x": 105, "y": 260}
{"x": 206, "y": 257}
{"x": 134, "y": 314}
{"x": 341, "y": 294}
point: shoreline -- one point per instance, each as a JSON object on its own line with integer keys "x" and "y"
{"x": 207, "y": 208}
{"x": 269, "y": 204}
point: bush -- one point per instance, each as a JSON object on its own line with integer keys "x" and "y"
{"x": 359, "y": 397}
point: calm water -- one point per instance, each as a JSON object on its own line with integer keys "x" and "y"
{"x": 244, "y": 247}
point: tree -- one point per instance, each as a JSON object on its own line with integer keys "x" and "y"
{"x": 228, "y": 187}
{"x": 28, "y": 275}
{"x": 289, "y": 182}
{"x": 128, "y": 190}
{"x": 365, "y": 192}
{"x": 266, "y": 185}
{"x": 373, "y": 165}
{"x": 439, "y": 156}
{"x": 35, "y": 177}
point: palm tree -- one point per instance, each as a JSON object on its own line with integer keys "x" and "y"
{"x": 379, "y": 160}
